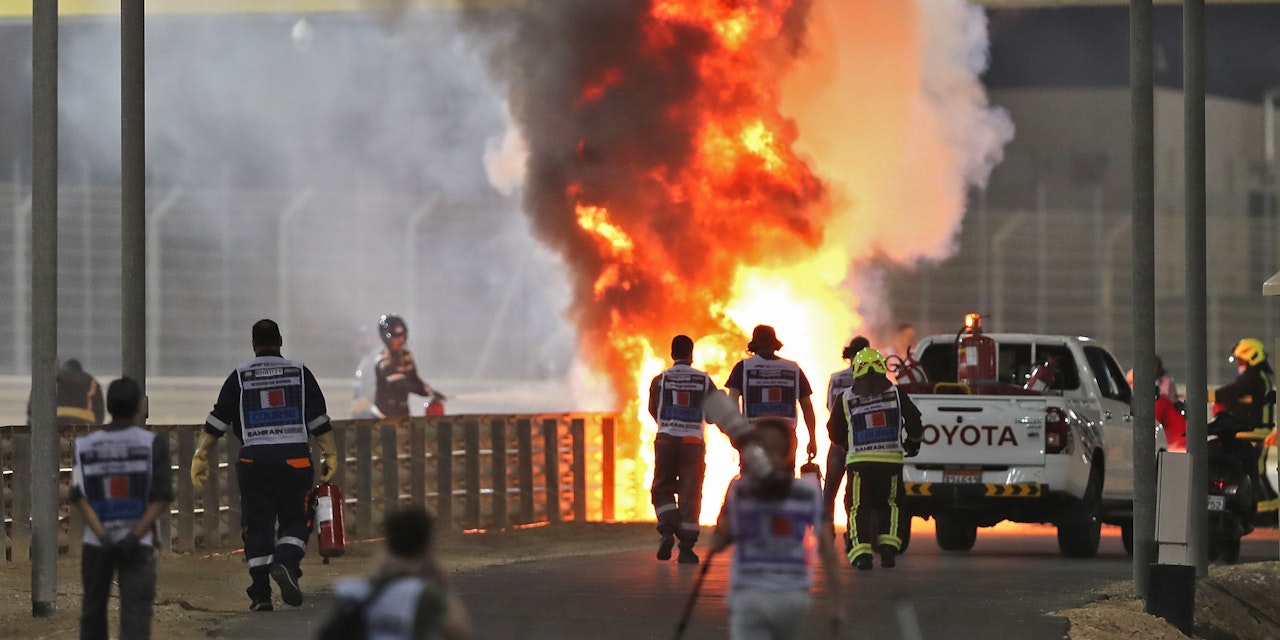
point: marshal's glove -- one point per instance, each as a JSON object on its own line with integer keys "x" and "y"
{"x": 910, "y": 447}
{"x": 329, "y": 456}
{"x": 200, "y": 460}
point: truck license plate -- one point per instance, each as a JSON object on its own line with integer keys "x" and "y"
{"x": 961, "y": 475}
{"x": 1217, "y": 503}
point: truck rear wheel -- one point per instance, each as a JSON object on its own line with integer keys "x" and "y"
{"x": 1080, "y": 538}
{"x": 954, "y": 534}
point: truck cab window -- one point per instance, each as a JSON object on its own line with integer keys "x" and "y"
{"x": 1015, "y": 362}
{"x": 1110, "y": 376}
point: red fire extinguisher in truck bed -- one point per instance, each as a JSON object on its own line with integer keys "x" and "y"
{"x": 975, "y": 353}
{"x": 326, "y": 501}
{"x": 1043, "y": 376}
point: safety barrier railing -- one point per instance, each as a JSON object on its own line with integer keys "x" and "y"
{"x": 474, "y": 471}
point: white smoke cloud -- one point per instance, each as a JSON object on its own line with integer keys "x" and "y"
{"x": 383, "y": 118}
{"x": 955, "y": 54}
{"x": 504, "y": 160}
{"x": 890, "y": 107}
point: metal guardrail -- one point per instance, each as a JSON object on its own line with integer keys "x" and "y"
{"x": 475, "y": 471}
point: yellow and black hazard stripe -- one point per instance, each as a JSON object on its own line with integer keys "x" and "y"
{"x": 916, "y": 488}
{"x": 990, "y": 490}
{"x": 1020, "y": 490}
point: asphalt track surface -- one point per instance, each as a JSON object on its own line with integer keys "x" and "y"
{"x": 1004, "y": 588}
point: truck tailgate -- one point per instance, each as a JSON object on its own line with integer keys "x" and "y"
{"x": 981, "y": 431}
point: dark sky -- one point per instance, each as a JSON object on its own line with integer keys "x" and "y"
{"x": 1089, "y": 47}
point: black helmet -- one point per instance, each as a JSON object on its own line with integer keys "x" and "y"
{"x": 391, "y": 326}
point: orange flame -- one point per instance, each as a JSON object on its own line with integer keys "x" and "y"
{"x": 719, "y": 239}
{"x": 662, "y": 169}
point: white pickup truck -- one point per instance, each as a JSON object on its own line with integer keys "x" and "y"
{"x": 994, "y": 451}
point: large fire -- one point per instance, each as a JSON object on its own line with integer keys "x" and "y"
{"x": 719, "y": 238}
{"x": 664, "y": 170}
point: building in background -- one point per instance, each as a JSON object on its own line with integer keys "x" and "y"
{"x": 1047, "y": 247}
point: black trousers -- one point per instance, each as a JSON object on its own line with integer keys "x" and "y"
{"x": 676, "y": 493}
{"x": 137, "y": 576}
{"x": 273, "y": 519}
{"x": 874, "y": 517}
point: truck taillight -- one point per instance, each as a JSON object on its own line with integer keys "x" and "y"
{"x": 1057, "y": 434}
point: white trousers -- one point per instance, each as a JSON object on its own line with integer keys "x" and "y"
{"x": 767, "y": 615}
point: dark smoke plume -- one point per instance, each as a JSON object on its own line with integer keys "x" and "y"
{"x": 615, "y": 107}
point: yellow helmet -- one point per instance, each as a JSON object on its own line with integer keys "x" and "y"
{"x": 868, "y": 360}
{"x": 1249, "y": 351}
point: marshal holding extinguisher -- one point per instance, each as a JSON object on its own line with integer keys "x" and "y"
{"x": 326, "y": 505}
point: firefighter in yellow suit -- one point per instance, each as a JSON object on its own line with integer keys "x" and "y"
{"x": 872, "y": 418}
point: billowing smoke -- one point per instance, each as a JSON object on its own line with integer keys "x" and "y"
{"x": 657, "y": 122}
{"x": 890, "y": 106}
{"x": 702, "y": 166}
{"x": 358, "y": 138}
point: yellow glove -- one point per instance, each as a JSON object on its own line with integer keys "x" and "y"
{"x": 200, "y": 460}
{"x": 329, "y": 458}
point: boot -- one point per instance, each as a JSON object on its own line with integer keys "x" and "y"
{"x": 687, "y": 556}
{"x": 888, "y": 556}
{"x": 664, "y": 547}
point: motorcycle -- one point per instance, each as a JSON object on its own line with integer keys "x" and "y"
{"x": 1231, "y": 497}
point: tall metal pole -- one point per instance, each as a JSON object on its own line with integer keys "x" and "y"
{"x": 133, "y": 194}
{"x": 1141, "y": 75}
{"x": 44, "y": 308}
{"x": 1196, "y": 282}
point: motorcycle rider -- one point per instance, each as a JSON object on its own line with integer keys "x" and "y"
{"x": 396, "y": 373}
{"x": 1246, "y": 406}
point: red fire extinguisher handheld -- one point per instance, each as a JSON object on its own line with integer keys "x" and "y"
{"x": 330, "y": 533}
{"x": 811, "y": 472}
{"x": 435, "y": 405}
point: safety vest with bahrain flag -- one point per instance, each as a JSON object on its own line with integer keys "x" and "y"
{"x": 770, "y": 389}
{"x": 681, "y": 391}
{"x": 874, "y": 425}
